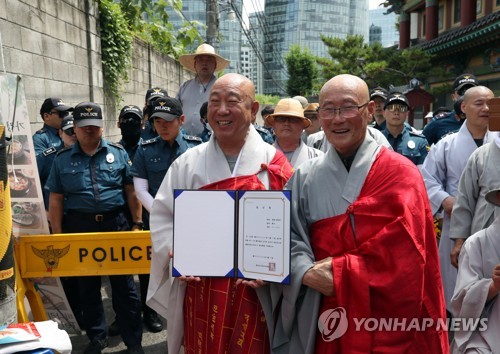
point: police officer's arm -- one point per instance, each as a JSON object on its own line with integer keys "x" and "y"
{"x": 56, "y": 203}
{"x": 134, "y": 205}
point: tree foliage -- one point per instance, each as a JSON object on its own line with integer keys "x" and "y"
{"x": 302, "y": 71}
{"x": 145, "y": 19}
{"x": 378, "y": 66}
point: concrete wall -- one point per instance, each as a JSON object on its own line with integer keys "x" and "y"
{"x": 54, "y": 45}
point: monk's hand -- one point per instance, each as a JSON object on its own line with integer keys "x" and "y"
{"x": 455, "y": 251}
{"x": 189, "y": 278}
{"x": 447, "y": 204}
{"x": 320, "y": 277}
{"x": 255, "y": 284}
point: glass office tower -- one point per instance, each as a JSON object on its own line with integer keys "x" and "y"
{"x": 302, "y": 22}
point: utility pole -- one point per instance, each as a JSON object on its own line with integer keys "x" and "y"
{"x": 212, "y": 23}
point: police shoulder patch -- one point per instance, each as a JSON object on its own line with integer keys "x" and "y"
{"x": 150, "y": 141}
{"x": 412, "y": 133}
{"x": 41, "y": 131}
{"x": 49, "y": 151}
{"x": 192, "y": 138}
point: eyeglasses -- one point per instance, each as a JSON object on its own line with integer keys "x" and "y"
{"x": 344, "y": 112}
{"x": 311, "y": 116}
{"x": 397, "y": 107}
{"x": 69, "y": 131}
{"x": 60, "y": 114}
{"x": 291, "y": 120}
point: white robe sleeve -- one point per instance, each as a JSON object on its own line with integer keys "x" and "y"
{"x": 434, "y": 171}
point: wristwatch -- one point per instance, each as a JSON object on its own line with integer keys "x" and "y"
{"x": 138, "y": 223}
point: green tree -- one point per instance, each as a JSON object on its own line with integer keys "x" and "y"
{"x": 377, "y": 65}
{"x": 120, "y": 23}
{"x": 302, "y": 71}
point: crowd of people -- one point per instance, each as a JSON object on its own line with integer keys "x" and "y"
{"x": 366, "y": 188}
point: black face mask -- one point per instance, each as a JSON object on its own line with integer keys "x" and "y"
{"x": 131, "y": 131}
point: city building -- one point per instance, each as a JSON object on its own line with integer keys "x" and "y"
{"x": 383, "y": 28}
{"x": 463, "y": 35}
{"x": 230, "y": 31}
{"x": 256, "y": 31}
{"x": 302, "y": 22}
{"x": 245, "y": 59}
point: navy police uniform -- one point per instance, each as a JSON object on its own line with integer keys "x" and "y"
{"x": 409, "y": 144}
{"x": 264, "y": 134}
{"x": 46, "y": 142}
{"x": 154, "y": 157}
{"x": 94, "y": 201}
{"x": 442, "y": 124}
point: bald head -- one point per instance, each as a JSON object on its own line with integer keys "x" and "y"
{"x": 233, "y": 81}
{"x": 476, "y": 91}
{"x": 349, "y": 83}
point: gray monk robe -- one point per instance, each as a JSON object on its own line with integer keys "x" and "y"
{"x": 479, "y": 255}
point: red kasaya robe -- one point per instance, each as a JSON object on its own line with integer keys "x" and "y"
{"x": 385, "y": 265}
{"x": 219, "y": 316}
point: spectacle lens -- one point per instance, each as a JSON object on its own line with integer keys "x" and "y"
{"x": 281, "y": 119}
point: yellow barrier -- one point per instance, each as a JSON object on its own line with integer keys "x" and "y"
{"x": 78, "y": 254}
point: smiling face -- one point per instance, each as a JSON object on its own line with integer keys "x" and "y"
{"x": 231, "y": 108}
{"x": 346, "y": 134}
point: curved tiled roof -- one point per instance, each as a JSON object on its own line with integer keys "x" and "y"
{"x": 486, "y": 29}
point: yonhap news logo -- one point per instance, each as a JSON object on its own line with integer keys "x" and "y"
{"x": 333, "y": 324}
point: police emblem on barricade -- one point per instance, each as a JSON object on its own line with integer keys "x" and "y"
{"x": 51, "y": 255}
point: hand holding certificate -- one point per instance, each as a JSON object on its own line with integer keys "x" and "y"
{"x": 244, "y": 234}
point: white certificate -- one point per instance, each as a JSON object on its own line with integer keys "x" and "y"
{"x": 203, "y": 233}
{"x": 244, "y": 234}
{"x": 264, "y": 235}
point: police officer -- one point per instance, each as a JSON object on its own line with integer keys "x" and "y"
{"x": 151, "y": 95}
{"x": 67, "y": 135}
{"x": 154, "y": 156}
{"x": 379, "y": 96}
{"x": 91, "y": 182}
{"x": 402, "y": 139}
{"x": 207, "y": 129}
{"x": 46, "y": 141}
{"x": 130, "y": 124}
{"x": 447, "y": 122}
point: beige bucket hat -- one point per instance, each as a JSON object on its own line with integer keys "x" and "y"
{"x": 187, "y": 60}
{"x": 288, "y": 107}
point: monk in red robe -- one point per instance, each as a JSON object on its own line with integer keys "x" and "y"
{"x": 215, "y": 315}
{"x": 365, "y": 270}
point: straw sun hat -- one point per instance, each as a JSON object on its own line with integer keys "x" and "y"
{"x": 187, "y": 60}
{"x": 288, "y": 107}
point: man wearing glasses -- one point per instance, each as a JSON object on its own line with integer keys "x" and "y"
{"x": 405, "y": 142}
{"x": 362, "y": 240}
{"x": 47, "y": 141}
